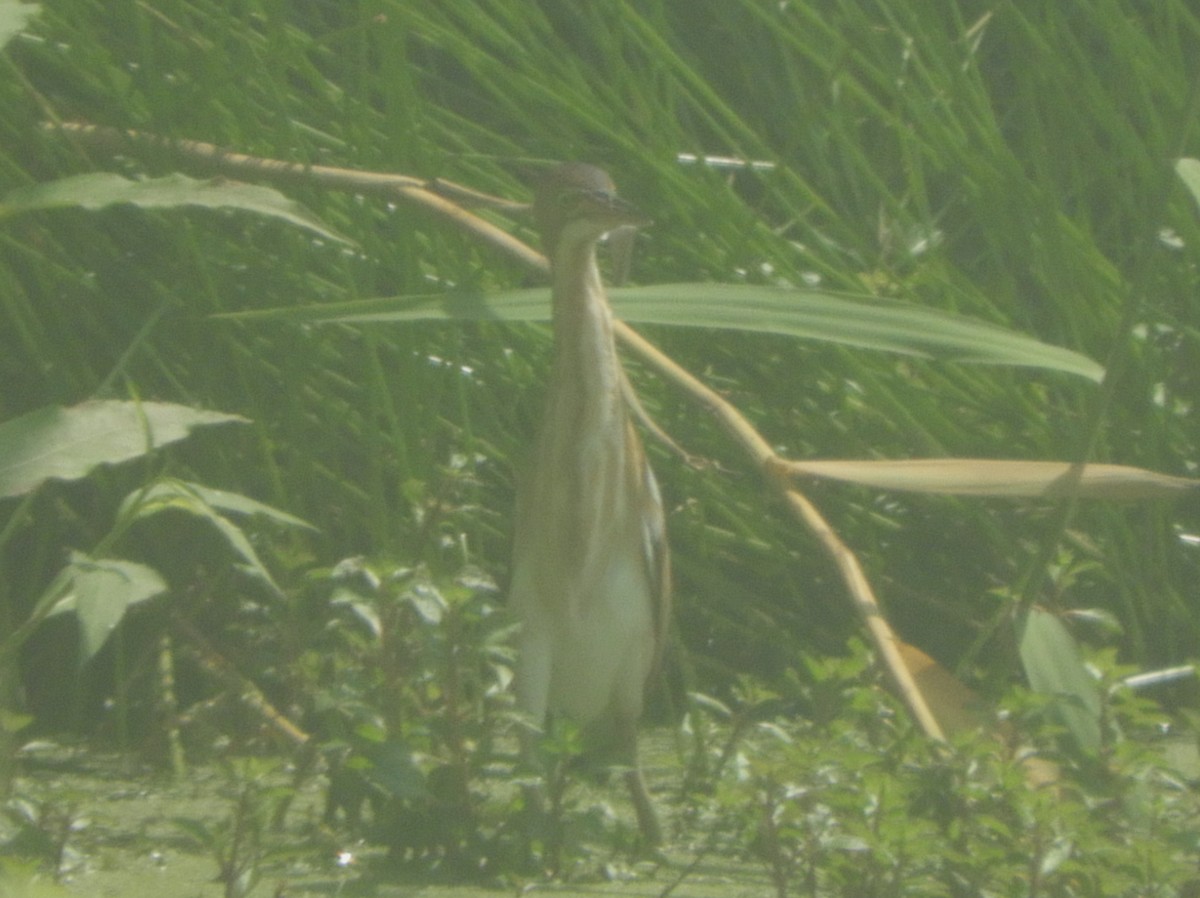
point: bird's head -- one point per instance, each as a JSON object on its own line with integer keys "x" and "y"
{"x": 577, "y": 203}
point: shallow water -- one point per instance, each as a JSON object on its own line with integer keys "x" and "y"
{"x": 113, "y": 829}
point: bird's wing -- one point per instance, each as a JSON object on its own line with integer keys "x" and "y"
{"x": 634, "y": 404}
{"x": 657, "y": 556}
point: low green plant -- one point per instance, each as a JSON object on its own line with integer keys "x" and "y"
{"x": 242, "y": 843}
{"x": 859, "y": 804}
{"x": 39, "y": 831}
{"x": 408, "y": 692}
{"x": 96, "y": 586}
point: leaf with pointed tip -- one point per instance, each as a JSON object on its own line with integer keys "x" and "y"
{"x": 863, "y": 322}
{"x": 179, "y": 495}
{"x": 1001, "y": 478}
{"x": 67, "y": 443}
{"x": 808, "y": 314}
{"x": 1055, "y": 668}
{"x": 236, "y": 503}
{"x": 102, "y": 189}
{"x": 102, "y": 590}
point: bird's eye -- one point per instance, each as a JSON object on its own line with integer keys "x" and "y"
{"x": 571, "y": 200}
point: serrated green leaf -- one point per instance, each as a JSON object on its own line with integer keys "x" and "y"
{"x": 102, "y": 189}
{"x": 67, "y": 443}
{"x": 428, "y": 602}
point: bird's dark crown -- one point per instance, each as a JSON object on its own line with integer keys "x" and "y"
{"x": 578, "y": 192}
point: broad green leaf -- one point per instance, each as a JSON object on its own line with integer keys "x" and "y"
{"x": 992, "y": 477}
{"x": 14, "y": 17}
{"x": 1055, "y": 668}
{"x": 101, "y": 591}
{"x": 1189, "y": 172}
{"x": 66, "y": 443}
{"x": 853, "y": 321}
{"x": 102, "y": 189}
{"x": 181, "y": 496}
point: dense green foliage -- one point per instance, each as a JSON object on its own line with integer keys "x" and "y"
{"x": 1010, "y": 161}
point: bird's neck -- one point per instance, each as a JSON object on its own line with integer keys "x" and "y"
{"x": 586, "y": 369}
{"x": 583, "y": 458}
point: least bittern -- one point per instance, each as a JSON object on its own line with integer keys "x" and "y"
{"x": 591, "y": 576}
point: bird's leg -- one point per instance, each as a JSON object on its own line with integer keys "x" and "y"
{"x": 533, "y": 690}
{"x": 533, "y": 791}
{"x": 647, "y": 817}
{"x": 542, "y": 795}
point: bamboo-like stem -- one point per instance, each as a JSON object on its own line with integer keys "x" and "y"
{"x": 774, "y": 469}
{"x": 219, "y": 667}
{"x": 432, "y": 196}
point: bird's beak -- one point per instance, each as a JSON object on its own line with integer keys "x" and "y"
{"x": 620, "y": 212}
{"x": 620, "y": 253}
{"x": 626, "y": 220}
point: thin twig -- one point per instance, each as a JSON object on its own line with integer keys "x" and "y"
{"x": 210, "y": 157}
{"x": 774, "y": 469}
{"x": 476, "y": 199}
{"x": 431, "y": 195}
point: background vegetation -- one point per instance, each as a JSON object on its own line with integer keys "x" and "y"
{"x": 1011, "y": 161}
